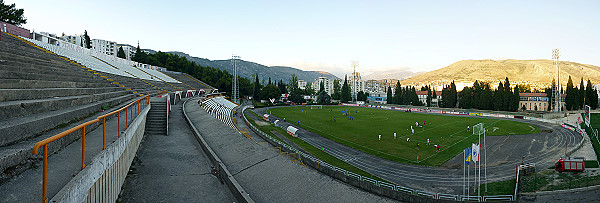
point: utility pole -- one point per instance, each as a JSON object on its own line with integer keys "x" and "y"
{"x": 354, "y": 78}
{"x": 555, "y": 56}
{"x": 235, "y": 96}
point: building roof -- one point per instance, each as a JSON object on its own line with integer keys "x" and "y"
{"x": 537, "y": 95}
{"x": 437, "y": 93}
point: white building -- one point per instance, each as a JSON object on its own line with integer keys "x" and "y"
{"x": 74, "y": 39}
{"x": 129, "y": 51}
{"x": 316, "y": 85}
{"x": 302, "y": 84}
{"x": 106, "y": 47}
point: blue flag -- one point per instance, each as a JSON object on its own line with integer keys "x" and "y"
{"x": 468, "y": 156}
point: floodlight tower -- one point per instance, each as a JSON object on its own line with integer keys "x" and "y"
{"x": 354, "y": 65}
{"x": 555, "y": 56}
{"x": 235, "y": 96}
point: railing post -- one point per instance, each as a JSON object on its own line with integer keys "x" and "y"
{"x": 83, "y": 148}
{"x": 119, "y": 124}
{"x": 45, "y": 174}
{"x": 103, "y": 133}
{"x": 126, "y": 117}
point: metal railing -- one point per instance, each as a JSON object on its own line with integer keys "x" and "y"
{"x": 378, "y": 183}
{"x": 131, "y": 111}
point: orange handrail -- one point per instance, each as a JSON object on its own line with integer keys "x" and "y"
{"x": 138, "y": 104}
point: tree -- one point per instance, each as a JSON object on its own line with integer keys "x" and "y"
{"x": 581, "y": 94}
{"x": 270, "y": 92}
{"x": 346, "y": 96}
{"x": 322, "y": 86}
{"x": 498, "y": 95}
{"x": 571, "y": 100}
{"x": 592, "y": 95}
{"x": 508, "y": 96}
{"x": 88, "y": 41}
{"x": 323, "y": 98}
{"x": 269, "y": 80}
{"x": 466, "y": 98}
{"x": 398, "y": 93}
{"x": 515, "y": 99}
{"x": 337, "y": 90}
{"x": 282, "y": 87}
{"x": 11, "y": 15}
{"x": 428, "y": 100}
{"x": 141, "y": 57}
{"x": 121, "y": 53}
{"x": 359, "y": 96}
{"x": 256, "y": 89}
{"x": 390, "y": 98}
{"x": 453, "y": 94}
{"x": 434, "y": 95}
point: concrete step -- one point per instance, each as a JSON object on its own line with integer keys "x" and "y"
{"x": 23, "y": 182}
{"x": 28, "y": 94}
{"x": 35, "y": 84}
{"x": 21, "y": 128}
{"x": 49, "y": 76}
{"x": 67, "y": 72}
{"x": 12, "y": 109}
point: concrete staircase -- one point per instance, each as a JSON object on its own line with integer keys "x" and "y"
{"x": 156, "y": 122}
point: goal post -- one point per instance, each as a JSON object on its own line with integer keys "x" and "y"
{"x": 477, "y": 129}
{"x": 316, "y": 106}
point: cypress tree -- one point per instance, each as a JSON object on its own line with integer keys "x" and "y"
{"x": 121, "y": 53}
{"x": 581, "y": 94}
{"x": 88, "y": 41}
{"x": 390, "y": 98}
{"x": 345, "y": 91}
{"x": 571, "y": 100}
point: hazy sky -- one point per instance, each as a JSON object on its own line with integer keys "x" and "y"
{"x": 328, "y": 35}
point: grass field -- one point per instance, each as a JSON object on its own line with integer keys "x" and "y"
{"x": 450, "y": 132}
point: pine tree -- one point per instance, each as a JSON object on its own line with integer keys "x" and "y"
{"x": 498, "y": 95}
{"x": 515, "y": 99}
{"x": 434, "y": 95}
{"x": 508, "y": 96}
{"x": 346, "y": 96}
{"x": 140, "y": 56}
{"x": 428, "y": 100}
{"x": 88, "y": 41}
{"x": 322, "y": 86}
{"x": 454, "y": 95}
{"x": 121, "y": 53}
{"x": 337, "y": 90}
{"x": 257, "y": 87}
{"x": 11, "y": 15}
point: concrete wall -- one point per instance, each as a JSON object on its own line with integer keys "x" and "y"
{"x": 223, "y": 174}
{"x": 102, "y": 179}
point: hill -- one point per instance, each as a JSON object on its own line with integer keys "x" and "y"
{"x": 247, "y": 69}
{"x": 537, "y": 73}
{"x": 391, "y": 74}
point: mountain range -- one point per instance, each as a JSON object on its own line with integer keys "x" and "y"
{"x": 247, "y": 69}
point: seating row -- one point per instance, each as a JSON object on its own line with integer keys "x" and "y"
{"x": 222, "y": 111}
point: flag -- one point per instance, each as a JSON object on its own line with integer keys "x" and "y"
{"x": 467, "y": 156}
{"x": 475, "y": 152}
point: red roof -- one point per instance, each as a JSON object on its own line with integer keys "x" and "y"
{"x": 537, "y": 95}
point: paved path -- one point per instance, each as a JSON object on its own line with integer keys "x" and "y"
{"x": 504, "y": 153}
{"x": 173, "y": 168}
{"x": 265, "y": 174}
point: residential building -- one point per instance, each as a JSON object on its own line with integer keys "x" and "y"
{"x": 377, "y": 98}
{"x": 316, "y": 85}
{"x": 302, "y": 84}
{"x": 78, "y": 40}
{"x": 537, "y": 101}
{"x": 422, "y": 95}
{"x": 104, "y": 46}
{"x": 360, "y": 84}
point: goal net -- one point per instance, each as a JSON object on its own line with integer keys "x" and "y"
{"x": 477, "y": 129}
{"x": 316, "y": 106}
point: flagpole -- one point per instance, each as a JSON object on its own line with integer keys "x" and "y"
{"x": 479, "y": 160}
{"x": 485, "y": 165}
{"x": 464, "y": 174}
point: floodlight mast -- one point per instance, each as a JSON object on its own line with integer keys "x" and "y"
{"x": 354, "y": 78}
{"x": 235, "y": 96}
{"x": 557, "y": 99}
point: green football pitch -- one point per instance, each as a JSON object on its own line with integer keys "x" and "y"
{"x": 361, "y": 132}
